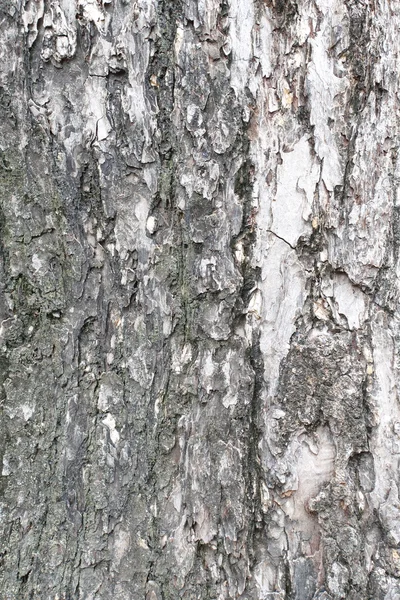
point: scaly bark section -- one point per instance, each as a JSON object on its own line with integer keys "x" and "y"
{"x": 199, "y": 300}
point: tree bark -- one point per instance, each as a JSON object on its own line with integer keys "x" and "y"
{"x": 199, "y": 304}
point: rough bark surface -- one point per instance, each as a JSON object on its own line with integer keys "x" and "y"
{"x": 200, "y": 281}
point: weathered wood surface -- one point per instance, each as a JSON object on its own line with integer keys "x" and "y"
{"x": 199, "y": 299}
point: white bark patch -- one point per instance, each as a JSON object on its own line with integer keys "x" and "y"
{"x": 283, "y": 292}
{"x": 208, "y": 14}
{"x": 266, "y": 579}
{"x": 97, "y": 124}
{"x": 33, "y": 11}
{"x": 105, "y": 398}
{"x": 296, "y": 181}
{"x": 359, "y": 243}
{"x": 385, "y": 442}
{"x": 262, "y": 45}
{"x": 240, "y": 32}
{"x": 181, "y": 357}
{"x": 121, "y": 545}
{"x": 350, "y": 301}
{"x": 92, "y": 12}
{"x": 139, "y": 370}
{"x": 324, "y": 87}
{"x": 27, "y": 411}
{"x": 151, "y": 224}
{"x": 6, "y": 469}
{"x": 109, "y": 422}
{"x": 130, "y": 228}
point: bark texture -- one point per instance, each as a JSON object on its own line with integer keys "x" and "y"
{"x": 200, "y": 281}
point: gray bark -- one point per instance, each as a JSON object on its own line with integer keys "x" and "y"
{"x": 199, "y": 299}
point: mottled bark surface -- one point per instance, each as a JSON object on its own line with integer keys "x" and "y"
{"x": 199, "y": 303}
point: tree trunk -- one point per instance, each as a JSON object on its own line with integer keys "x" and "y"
{"x": 200, "y": 283}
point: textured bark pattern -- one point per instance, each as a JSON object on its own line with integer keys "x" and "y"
{"x": 199, "y": 304}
